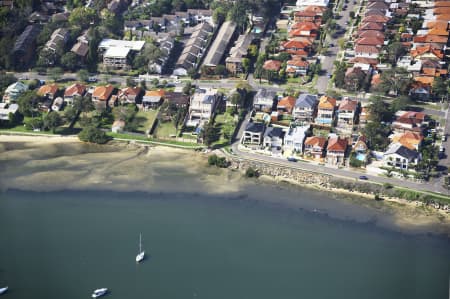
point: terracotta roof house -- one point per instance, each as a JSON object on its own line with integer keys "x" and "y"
{"x": 411, "y": 140}
{"x": 424, "y": 80}
{"x": 443, "y": 17}
{"x": 375, "y": 12}
{"x": 375, "y": 19}
{"x": 347, "y": 112}
{"x": 101, "y": 95}
{"x": 272, "y": 65}
{"x": 297, "y": 67}
{"x": 129, "y": 95}
{"x": 441, "y": 4}
{"x": 372, "y": 34}
{"x": 308, "y": 16}
{"x": 435, "y": 40}
{"x": 367, "y": 51}
{"x": 325, "y": 111}
{"x": 307, "y": 29}
{"x": 305, "y": 108}
{"x": 427, "y": 51}
{"x": 377, "y": 5}
{"x": 73, "y": 91}
{"x": 297, "y": 47}
{"x": 48, "y": 90}
{"x": 364, "y": 60}
{"x": 367, "y": 26}
{"x": 314, "y": 147}
{"x": 409, "y": 121}
{"x": 441, "y": 11}
{"x": 336, "y": 150}
{"x": 316, "y": 8}
{"x": 370, "y": 41}
{"x": 152, "y": 98}
{"x": 433, "y": 68}
{"x": 286, "y": 105}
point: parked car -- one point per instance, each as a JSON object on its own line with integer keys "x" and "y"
{"x": 92, "y": 79}
{"x": 331, "y": 45}
{"x": 363, "y": 177}
{"x": 291, "y": 159}
{"x": 444, "y": 138}
{"x": 441, "y": 148}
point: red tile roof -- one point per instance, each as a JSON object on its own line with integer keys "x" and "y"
{"x": 306, "y": 26}
{"x": 375, "y": 19}
{"x": 367, "y": 49}
{"x": 326, "y": 102}
{"x": 287, "y": 102}
{"x": 348, "y": 105}
{"x": 371, "y": 26}
{"x": 47, "y": 89}
{"x": 103, "y": 92}
{"x": 369, "y": 41}
{"x": 75, "y": 89}
{"x": 298, "y": 63}
{"x": 272, "y": 65}
{"x": 336, "y": 144}
{"x": 372, "y": 33}
{"x": 129, "y": 91}
{"x": 365, "y": 60}
{"x": 427, "y": 49}
{"x": 316, "y": 141}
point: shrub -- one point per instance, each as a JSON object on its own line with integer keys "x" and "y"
{"x": 220, "y": 162}
{"x": 251, "y": 172}
{"x": 94, "y": 135}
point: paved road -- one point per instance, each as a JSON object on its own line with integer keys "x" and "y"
{"x": 329, "y": 57}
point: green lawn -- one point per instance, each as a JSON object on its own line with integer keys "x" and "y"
{"x": 146, "y": 119}
{"x": 165, "y": 130}
{"x": 227, "y": 125}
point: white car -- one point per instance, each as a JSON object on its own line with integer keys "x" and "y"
{"x": 441, "y": 148}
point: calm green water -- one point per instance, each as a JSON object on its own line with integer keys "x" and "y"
{"x": 65, "y": 244}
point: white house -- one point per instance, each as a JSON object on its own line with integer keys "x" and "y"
{"x": 294, "y": 139}
{"x": 400, "y": 157}
{"x": 202, "y": 106}
{"x": 264, "y": 100}
{"x": 273, "y": 137}
{"x": 253, "y": 133}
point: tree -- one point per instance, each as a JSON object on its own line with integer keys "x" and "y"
{"x": 376, "y": 135}
{"x": 34, "y": 123}
{"x": 238, "y": 14}
{"x": 93, "y": 135}
{"x": 400, "y": 103}
{"x": 415, "y": 24}
{"x": 339, "y": 74}
{"x": 237, "y": 99}
{"x": 379, "y": 111}
{"x": 220, "y": 70}
{"x": 83, "y": 75}
{"x": 187, "y": 88}
{"x": 69, "y": 61}
{"x": 219, "y": 15}
{"x": 27, "y": 103}
{"x": 83, "y": 104}
{"x": 52, "y": 120}
{"x": 395, "y": 51}
{"x": 6, "y": 79}
{"x": 82, "y": 17}
{"x": 395, "y": 81}
{"x": 178, "y": 118}
{"x": 440, "y": 87}
{"x": 246, "y": 65}
{"x": 55, "y": 73}
{"x": 70, "y": 114}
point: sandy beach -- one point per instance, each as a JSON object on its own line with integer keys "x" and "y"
{"x": 64, "y": 163}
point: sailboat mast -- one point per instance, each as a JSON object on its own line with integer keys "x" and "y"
{"x": 140, "y": 243}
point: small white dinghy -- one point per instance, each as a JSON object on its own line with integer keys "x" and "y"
{"x": 3, "y": 290}
{"x": 141, "y": 255}
{"x": 99, "y": 292}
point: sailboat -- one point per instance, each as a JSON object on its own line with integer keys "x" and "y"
{"x": 99, "y": 292}
{"x": 141, "y": 253}
{"x": 3, "y": 290}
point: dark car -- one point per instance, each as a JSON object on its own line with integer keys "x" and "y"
{"x": 363, "y": 177}
{"x": 291, "y": 159}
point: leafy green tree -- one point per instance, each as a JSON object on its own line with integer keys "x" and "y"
{"x": 187, "y": 88}
{"x": 82, "y": 17}
{"x": 246, "y": 65}
{"x": 400, "y": 103}
{"x": 52, "y": 121}
{"x": 396, "y": 81}
{"x": 70, "y": 114}
{"x": 237, "y": 100}
{"x": 440, "y": 87}
{"x": 69, "y": 61}
{"x": 220, "y": 70}
{"x": 27, "y": 103}
{"x": 55, "y": 73}
{"x": 339, "y": 74}
{"x": 35, "y": 123}
{"x": 93, "y": 135}
{"x": 6, "y": 80}
{"x": 238, "y": 14}
{"x": 83, "y": 104}
{"x": 376, "y": 135}
{"x": 83, "y": 75}
{"x": 395, "y": 51}
{"x": 379, "y": 111}
{"x": 219, "y": 15}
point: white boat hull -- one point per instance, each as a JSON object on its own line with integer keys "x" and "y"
{"x": 99, "y": 292}
{"x": 140, "y": 257}
{"x": 3, "y": 290}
